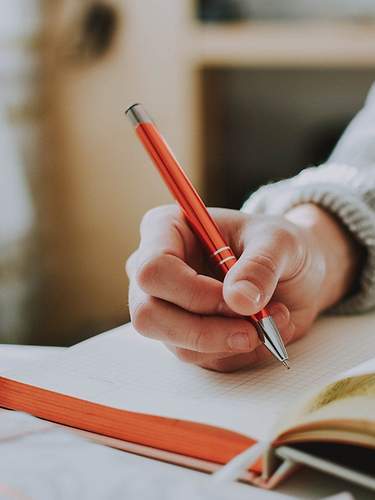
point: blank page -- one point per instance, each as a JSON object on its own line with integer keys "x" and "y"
{"x": 124, "y": 370}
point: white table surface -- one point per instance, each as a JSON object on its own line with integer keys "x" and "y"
{"x": 136, "y": 477}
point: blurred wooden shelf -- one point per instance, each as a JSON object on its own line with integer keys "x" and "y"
{"x": 99, "y": 183}
{"x": 266, "y": 44}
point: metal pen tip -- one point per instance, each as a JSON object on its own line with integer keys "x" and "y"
{"x": 271, "y": 338}
{"x": 285, "y": 363}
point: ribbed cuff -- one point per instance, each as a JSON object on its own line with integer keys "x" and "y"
{"x": 342, "y": 201}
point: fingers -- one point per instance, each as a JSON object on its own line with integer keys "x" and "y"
{"x": 169, "y": 323}
{"x": 159, "y": 266}
{"x": 219, "y": 362}
{"x": 164, "y": 230}
{"x": 268, "y": 256}
{"x": 167, "y": 277}
{"x": 228, "y": 362}
{"x": 163, "y": 321}
{"x": 162, "y": 233}
{"x": 197, "y": 315}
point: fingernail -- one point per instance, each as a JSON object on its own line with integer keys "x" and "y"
{"x": 239, "y": 342}
{"x": 248, "y": 290}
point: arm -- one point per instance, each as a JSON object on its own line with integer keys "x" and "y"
{"x": 301, "y": 244}
{"x": 345, "y": 188}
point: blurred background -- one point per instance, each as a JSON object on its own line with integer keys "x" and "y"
{"x": 246, "y": 92}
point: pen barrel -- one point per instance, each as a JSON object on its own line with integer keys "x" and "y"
{"x": 183, "y": 191}
{"x": 195, "y": 211}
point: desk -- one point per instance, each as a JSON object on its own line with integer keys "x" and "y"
{"x": 98, "y": 467}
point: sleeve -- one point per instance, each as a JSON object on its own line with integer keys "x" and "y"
{"x": 345, "y": 186}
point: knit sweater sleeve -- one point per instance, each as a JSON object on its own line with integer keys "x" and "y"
{"x": 345, "y": 186}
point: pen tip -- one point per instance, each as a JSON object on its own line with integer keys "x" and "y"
{"x": 285, "y": 363}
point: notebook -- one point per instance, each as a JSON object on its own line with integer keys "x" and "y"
{"x": 132, "y": 393}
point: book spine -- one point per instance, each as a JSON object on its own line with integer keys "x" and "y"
{"x": 285, "y": 469}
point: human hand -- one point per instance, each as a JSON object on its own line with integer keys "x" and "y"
{"x": 288, "y": 264}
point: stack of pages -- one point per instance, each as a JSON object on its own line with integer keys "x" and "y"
{"x": 133, "y": 394}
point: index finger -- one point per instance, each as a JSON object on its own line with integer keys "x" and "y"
{"x": 160, "y": 269}
{"x": 164, "y": 230}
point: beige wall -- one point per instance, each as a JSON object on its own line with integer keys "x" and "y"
{"x": 97, "y": 181}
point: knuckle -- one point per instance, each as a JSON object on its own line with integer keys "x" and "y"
{"x": 284, "y": 237}
{"x": 142, "y": 315}
{"x": 186, "y": 355}
{"x": 172, "y": 335}
{"x": 265, "y": 263}
{"x": 157, "y": 213}
{"x": 149, "y": 271}
{"x": 196, "y": 297}
{"x": 197, "y": 335}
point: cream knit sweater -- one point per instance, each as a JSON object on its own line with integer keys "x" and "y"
{"x": 345, "y": 186}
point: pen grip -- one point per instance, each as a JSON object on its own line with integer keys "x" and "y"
{"x": 181, "y": 188}
{"x": 189, "y": 200}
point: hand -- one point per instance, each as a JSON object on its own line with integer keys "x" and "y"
{"x": 288, "y": 263}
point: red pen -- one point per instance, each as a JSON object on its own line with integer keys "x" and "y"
{"x": 199, "y": 218}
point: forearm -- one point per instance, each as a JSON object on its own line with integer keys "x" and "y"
{"x": 343, "y": 256}
{"x": 345, "y": 190}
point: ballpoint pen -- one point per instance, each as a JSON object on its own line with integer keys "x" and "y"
{"x": 199, "y": 218}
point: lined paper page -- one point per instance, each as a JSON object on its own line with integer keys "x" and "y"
{"x": 122, "y": 369}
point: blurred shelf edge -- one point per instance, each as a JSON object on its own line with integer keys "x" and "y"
{"x": 297, "y": 43}
{"x": 94, "y": 197}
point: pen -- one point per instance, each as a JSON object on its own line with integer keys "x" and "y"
{"x": 199, "y": 219}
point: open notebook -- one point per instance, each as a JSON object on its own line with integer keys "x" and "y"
{"x": 137, "y": 396}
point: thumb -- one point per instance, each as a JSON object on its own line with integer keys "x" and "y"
{"x": 251, "y": 282}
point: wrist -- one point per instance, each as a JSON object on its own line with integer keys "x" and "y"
{"x": 340, "y": 252}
